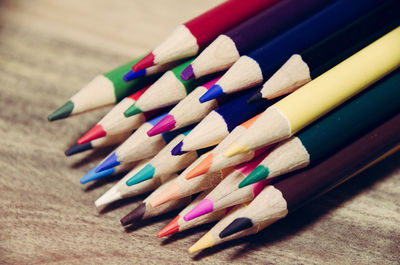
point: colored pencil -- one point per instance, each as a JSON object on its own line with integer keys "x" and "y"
{"x": 219, "y": 123}
{"x": 215, "y": 160}
{"x": 303, "y": 67}
{"x": 145, "y": 211}
{"x": 251, "y": 69}
{"x": 245, "y": 37}
{"x": 181, "y": 187}
{"x": 120, "y": 190}
{"x": 227, "y": 193}
{"x": 103, "y": 90}
{"x": 178, "y": 224}
{"x": 114, "y": 122}
{"x": 321, "y": 95}
{"x": 291, "y": 193}
{"x": 188, "y": 111}
{"x": 168, "y": 84}
{"x": 164, "y": 163}
{"x": 229, "y": 228}
{"x": 130, "y": 75}
{"x": 93, "y": 175}
{"x": 187, "y": 39}
{"x": 139, "y": 146}
{"x": 326, "y": 135}
{"x": 212, "y": 238}
{"x": 97, "y": 143}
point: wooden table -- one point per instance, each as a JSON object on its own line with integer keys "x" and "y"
{"x": 50, "y": 49}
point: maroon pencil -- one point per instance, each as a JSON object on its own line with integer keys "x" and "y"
{"x": 292, "y": 192}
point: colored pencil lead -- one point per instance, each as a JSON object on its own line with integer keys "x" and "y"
{"x": 214, "y": 92}
{"x": 205, "y": 206}
{"x": 63, "y": 112}
{"x": 93, "y": 175}
{"x": 110, "y": 162}
{"x": 187, "y": 73}
{"x": 172, "y": 192}
{"x": 237, "y": 225}
{"x": 132, "y": 75}
{"x": 135, "y": 215}
{"x": 255, "y": 98}
{"x": 171, "y": 228}
{"x": 201, "y": 168}
{"x": 145, "y": 173}
{"x": 205, "y": 242}
{"x": 94, "y": 133}
{"x": 146, "y": 62}
{"x": 108, "y": 197}
{"x": 77, "y": 148}
{"x": 132, "y": 110}
{"x": 165, "y": 125}
{"x": 177, "y": 150}
{"x": 235, "y": 149}
{"x": 258, "y": 174}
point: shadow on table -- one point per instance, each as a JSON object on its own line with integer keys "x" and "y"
{"x": 308, "y": 214}
{"x": 151, "y": 221}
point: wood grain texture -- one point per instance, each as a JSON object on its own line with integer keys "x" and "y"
{"x": 50, "y": 49}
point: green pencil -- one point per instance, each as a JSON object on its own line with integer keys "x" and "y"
{"x": 334, "y": 130}
{"x": 103, "y": 90}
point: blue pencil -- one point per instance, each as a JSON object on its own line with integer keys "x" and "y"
{"x": 92, "y": 175}
{"x": 255, "y": 67}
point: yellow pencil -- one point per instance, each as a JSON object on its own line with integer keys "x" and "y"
{"x": 294, "y": 112}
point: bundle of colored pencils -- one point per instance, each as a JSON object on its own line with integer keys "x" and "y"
{"x": 285, "y": 100}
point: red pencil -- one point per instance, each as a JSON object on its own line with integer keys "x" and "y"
{"x": 190, "y": 37}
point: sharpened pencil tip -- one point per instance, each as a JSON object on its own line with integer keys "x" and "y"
{"x": 165, "y": 125}
{"x": 92, "y": 175}
{"x": 133, "y": 75}
{"x": 177, "y": 150}
{"x": 110, "y": 162}
{"x": 255, "y": 98}
{"x": 214, "y": 92}
{"x": 187, "y": 73}
{"x": 205, "y": 242}
{"x": 172, "y": 192}
{"x": 171, "y": 228}
{"x": 201, "y": 168}
{"x": 258, "y": 174}
{"x": 63, "y": 112}
{"x": 146, "y": 62}
{"x": 136, "y": 215}
{"x": 237, "y": 225}
{"x": 94, "y": 133}
{"x": 235, "y": 149}
{"x": 132, "y": 110}
{"x": 147, "y": 172}
{"x": 78, "y": 148}
{"x": 110, "y": 196}
{"x": 204, "y": 207}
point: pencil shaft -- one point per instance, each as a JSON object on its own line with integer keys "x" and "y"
{"x": 339, "y": 166}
